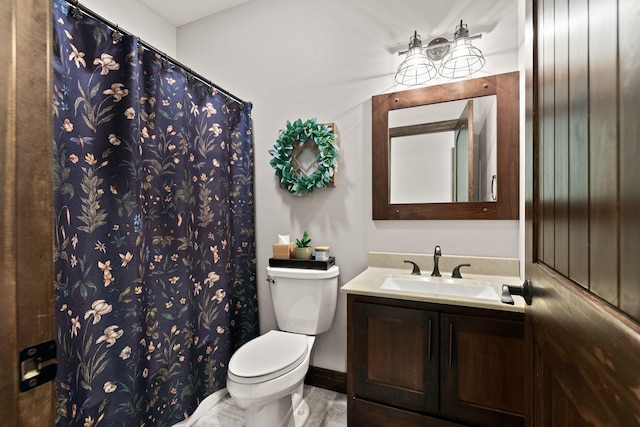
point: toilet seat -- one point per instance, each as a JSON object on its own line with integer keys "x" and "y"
{"x": 268, "y": 356}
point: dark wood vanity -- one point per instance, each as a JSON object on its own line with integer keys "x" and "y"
{"x": 416, "y": 363}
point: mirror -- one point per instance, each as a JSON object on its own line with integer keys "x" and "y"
{"x": 449, "y": 151}
{"x": 457, "y": 145}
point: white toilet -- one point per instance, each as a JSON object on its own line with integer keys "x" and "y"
{"x": 265, "y": 376}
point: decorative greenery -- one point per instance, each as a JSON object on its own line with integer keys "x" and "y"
{"x": 304, "y": 241}
{"x": 300, "y": 132}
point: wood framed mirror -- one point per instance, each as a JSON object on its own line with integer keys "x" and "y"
{"x": 472, "y": 169}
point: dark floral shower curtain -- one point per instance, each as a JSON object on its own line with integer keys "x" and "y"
{"x": 154, "y": 219}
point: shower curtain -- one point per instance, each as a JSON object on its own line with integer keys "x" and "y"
{"x": 154, "y": 220}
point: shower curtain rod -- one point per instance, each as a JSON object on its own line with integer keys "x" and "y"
{"x": 115, "y": 27}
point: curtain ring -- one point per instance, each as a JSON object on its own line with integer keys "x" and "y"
{"x": 116, "y": 35}
{"x": 212, "y": 91}
{"x": 165, "y": 62}
{"x": 190, "y": 76}
{"x": 75, "y": 11}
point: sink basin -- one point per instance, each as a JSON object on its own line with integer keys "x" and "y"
{"x": 465, "y": 288}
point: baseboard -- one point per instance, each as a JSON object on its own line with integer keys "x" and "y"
{"x": 327, "y": 379}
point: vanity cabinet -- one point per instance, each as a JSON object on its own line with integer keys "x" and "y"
{"x": 415, "y": 363}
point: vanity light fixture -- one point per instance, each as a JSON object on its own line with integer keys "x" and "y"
{"x": 459, "y": 58}
{"x": 464, "y": 58}
{"x": 417, "y": 68}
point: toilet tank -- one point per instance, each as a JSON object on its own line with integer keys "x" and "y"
{"x": 304, "y": 300}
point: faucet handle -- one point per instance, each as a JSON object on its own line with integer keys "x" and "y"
{"x": 416, "y": 269}
{"x": 456, "y": 271}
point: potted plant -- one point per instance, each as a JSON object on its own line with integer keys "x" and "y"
{"x": 303, "y": 250}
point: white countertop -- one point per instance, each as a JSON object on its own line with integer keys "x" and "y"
{"x": 369, "y": 281}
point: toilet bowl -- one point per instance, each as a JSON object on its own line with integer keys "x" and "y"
{"x": 266, "y": 379}
{"x": 265, "y": 376}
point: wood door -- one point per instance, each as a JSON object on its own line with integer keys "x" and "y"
{"x": 395, "y": 355}
{"x": 26, "y": 191}
{"x": 482, "y": 367}
{"x": 582, "y": 223}
{"x": 584, "y": 357}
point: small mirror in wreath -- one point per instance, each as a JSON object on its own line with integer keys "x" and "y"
{"x": 305, "y": 156}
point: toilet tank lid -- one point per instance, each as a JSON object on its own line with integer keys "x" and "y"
{"x": 302, "y": 273}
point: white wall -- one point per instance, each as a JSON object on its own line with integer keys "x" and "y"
{"x": 137, "y": 19}
{"x": 302, "y": 59}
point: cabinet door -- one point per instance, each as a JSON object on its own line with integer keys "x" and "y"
{"x": 483, "y": 367}
{"x": 369, "y": 414}
{"x": 396, "y": 356}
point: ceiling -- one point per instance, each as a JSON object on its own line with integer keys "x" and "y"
{"x": 180, "y": 12}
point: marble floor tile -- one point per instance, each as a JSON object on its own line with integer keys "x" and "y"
{"x": 328, "y": 409}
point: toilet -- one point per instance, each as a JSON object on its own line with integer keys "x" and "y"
{"x": 265, "y": 376}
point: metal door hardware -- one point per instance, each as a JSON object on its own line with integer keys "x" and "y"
{"x": 524, "y": 291}
{"x": 37, "y": 365}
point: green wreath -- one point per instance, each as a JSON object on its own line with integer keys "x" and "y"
{"x": 299, "y": 132}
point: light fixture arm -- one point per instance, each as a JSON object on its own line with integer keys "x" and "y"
{"x": 439, "y": 44}
{"x": 415, "y": 41}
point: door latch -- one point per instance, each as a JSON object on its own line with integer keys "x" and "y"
{"x": 37, "y": 365}
{"x": 524, "y": 290}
